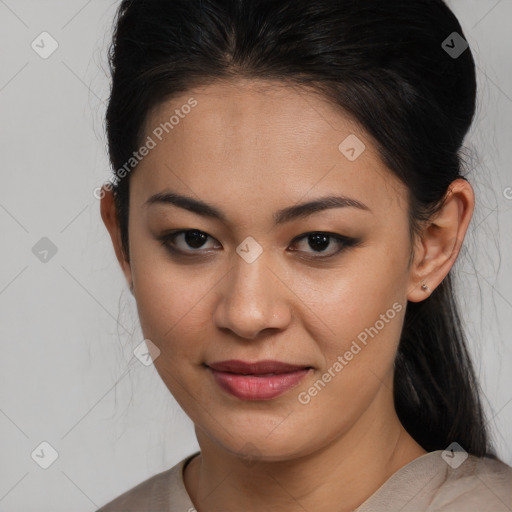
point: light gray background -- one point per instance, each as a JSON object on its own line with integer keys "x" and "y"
{"x": 67, "y": 375}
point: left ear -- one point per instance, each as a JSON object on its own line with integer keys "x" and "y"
{"x": 436, "y": 250}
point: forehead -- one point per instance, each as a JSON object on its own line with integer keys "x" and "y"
{"x": 255, "y": 112}
{"x": 260, "y": 141}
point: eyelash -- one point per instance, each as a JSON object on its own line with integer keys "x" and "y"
{"x": 345, "y": 242}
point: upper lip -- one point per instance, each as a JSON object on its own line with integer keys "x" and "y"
{"x": 258, "y": 367}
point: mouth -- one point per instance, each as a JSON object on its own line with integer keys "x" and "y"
{"x": 261, "y": 380}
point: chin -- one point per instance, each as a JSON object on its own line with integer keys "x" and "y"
{"x": 264, "y": 442}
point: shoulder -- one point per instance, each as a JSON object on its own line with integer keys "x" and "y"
{"x": 478, "y": 484}
{"x": 436, "y": 482}
{"x": 164, "y": 491}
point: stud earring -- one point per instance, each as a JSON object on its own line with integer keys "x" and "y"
{"x": 425, "y": 287}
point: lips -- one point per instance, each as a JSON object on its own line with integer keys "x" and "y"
{"x": 261, "y": 380}
{"x": 257, "y": 368}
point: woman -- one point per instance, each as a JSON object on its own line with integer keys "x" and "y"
{"x": 287, "y": 205}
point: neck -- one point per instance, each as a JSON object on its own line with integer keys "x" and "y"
{"x": 340, "y": 475}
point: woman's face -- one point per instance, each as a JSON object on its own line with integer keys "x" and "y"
{"x": 250, "y": 285}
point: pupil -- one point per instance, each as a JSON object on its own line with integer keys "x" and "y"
{"x": 320, "y": 242}
{"x": 195, "y": 238}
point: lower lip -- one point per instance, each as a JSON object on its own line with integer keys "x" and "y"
{"x": 252, "y": 387}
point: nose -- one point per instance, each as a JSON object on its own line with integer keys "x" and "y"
{"x": 253, "y": 297}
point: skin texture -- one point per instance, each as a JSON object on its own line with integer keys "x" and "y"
{"x": 251, "y": 148}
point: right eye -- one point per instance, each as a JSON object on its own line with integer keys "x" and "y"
{"x": 191, "y": 239}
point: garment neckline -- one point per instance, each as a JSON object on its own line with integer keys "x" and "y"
{"x": 423, "y": 468}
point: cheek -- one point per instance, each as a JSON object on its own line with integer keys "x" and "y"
{"x": 358, "y": 337}
{"x": 172, "y": 313}
{"x": 369, "y": 287}
{"x": 361, "y": 307}
{"x": 170, "y": 304}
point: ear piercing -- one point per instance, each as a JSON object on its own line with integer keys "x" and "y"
{"x": 425, "y": 287}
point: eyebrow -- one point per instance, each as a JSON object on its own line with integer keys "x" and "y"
{"x": 280, "y": 217}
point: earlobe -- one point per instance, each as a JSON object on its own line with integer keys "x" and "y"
{"x": 441, "y": 241}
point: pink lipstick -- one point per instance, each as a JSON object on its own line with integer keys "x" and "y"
{"x": 261, "y": 380}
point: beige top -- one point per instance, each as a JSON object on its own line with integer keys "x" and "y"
{"x": 426, "y": 484}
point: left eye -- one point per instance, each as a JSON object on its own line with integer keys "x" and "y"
{"x": 318, "y": 241}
